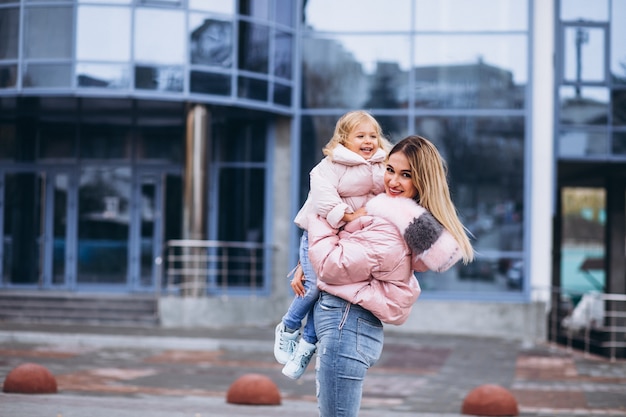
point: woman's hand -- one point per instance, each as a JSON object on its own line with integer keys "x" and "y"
{"x": 297, "y": 281}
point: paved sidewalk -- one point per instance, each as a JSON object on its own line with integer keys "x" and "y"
{"x": 140, "y": 372}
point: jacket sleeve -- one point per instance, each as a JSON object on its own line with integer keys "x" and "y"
{"x": 431, "y": 244}
{"x": 327, "y": 201}
{"x": 339, "y": 257}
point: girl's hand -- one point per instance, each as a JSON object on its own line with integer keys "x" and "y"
{"x": 348, "y": 217}
{"x": 297, "y": 281}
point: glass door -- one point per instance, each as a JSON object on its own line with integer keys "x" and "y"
{"x": 146, "y": 230}
{"x": 103, "y": 220}
{"x": 583, "y": 214}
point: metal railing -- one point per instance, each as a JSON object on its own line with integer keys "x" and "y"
{"x": 593, "y": 322}
{"x": 197, "y": 268}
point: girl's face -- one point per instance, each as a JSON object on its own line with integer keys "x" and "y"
{"x": 398, "y": 177}
{"x": 363, "y": 140}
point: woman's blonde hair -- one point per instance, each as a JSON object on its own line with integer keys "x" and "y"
{"x": 347, "y": 123}
{"x": 429, "y": 176}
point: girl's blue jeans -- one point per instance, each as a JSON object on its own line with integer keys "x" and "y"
{"x": 350, "y": 341}
{"x": 302, "y": 307}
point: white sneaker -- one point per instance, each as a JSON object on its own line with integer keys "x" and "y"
{"x": 300, "y": 360}
{"x": 284, "y": 343}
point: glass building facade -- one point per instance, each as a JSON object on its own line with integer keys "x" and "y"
{"x": 102, "y": 103}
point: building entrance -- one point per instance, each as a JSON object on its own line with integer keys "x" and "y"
{"x": 94, "y": 228}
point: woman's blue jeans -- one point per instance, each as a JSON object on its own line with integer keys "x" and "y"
{"x": 302, "y": 307}
{"x": 350, "y": 341}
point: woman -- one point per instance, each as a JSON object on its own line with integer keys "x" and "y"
{"x": 365, "y": 271}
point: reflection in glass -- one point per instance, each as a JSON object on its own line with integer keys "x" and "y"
{"x": 153, "y": 43}
{"x": 507, "y": 53}
{"x": 589, "y": 105}
{"x": 103, "y": 33}
{"x": 584, "y": 54}
{"x": 618, "y": 107}
{"x": 212, "y": 42}
{"x": 364, "y": 15}
{"x": 9, "y": 31}
{"x": 210, "y": 83}
{"x": 583, "y": 216}
{"x": 582, "y": 143}
{"x": 253, "y": 47}
{"x": 165, "y": 78}
{"x": 103, "y": 225}
{"x": 283, "y": 52}
{"x": 485, "y": 274}
{"x": 453, "y": 15}
{"x": 48, "y": 32}
{"x": 8, "y": 76}
{"x": 103, "y": 76}
{"x": 337, "y": 78}
{"x": 259, "y": 9}
{"x": 485, "y": 157}
{"x": 597, "y": 11}
{"x": 469, "y": 86}
{"x": 618, "y": 42}
{"x": 284, "y": 12}
{"x": 217, "y": 6}
{"x": 47, "y": 75}
{"x": 252, "y": 88}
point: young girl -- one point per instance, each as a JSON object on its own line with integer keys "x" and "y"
{"x": 366, "y": 270}
{"x": 340, "y": 185}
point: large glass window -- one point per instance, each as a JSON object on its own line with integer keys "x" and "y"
{"x": 470, "y": 71}
{"x": 584, "y": 54}
{"x": 253, "y": 47}
{"x": 154, "y": 44}
{"x": 488, "y": 195}
{"x": 358, "y": 15}
{"x": 341, "y": 73}
{"x": 461, "y": 15}
{"x": 48, "y": 32}
{"x": 9, "y": 30}
{"x": 618, "y": 42}
{"x": 432, "y": 68}
{"x": 211, "y": 41}
{"x": 239, "y": 155}
{"x": 96, "y": 24}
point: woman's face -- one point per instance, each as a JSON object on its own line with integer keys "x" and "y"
{"x": 363, "y": 140}
{"x": 398, "y": 177}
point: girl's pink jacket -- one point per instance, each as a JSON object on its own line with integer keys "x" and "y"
{"x": 371, "y": 261}
{"x": 342, "y": 184}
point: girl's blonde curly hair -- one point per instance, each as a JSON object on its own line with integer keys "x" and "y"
{"x": 347, "y": 123}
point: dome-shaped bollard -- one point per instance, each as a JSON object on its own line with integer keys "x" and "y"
{"x": 30, "y": 378}
{"x": 490, "y": 400}
{"x": 253, "y": 389}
